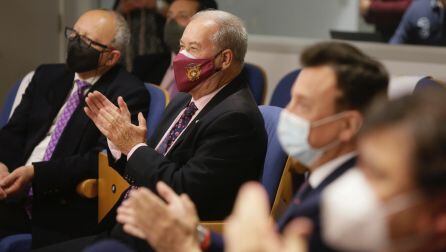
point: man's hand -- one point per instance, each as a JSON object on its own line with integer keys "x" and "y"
{"x": 115, "y": 123}
{"x": 364, "y": 6}
{"x": 250, "y": 228}
{"x": 3, "y": 173}
{"x": 167, "y": 226}
{"x": 17, "y": 180}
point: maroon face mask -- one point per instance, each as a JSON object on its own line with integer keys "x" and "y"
{"x": 190, "y": 72}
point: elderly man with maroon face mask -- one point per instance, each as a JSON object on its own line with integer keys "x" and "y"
{"x": 211, "y": 138}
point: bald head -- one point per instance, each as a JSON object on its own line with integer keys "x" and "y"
{"x": 104, "y": 26}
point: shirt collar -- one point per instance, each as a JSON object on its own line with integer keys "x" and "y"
{"x": 91, "y": 81}
{"x": 323, "y": 171}
{"x": 203, "y": 101}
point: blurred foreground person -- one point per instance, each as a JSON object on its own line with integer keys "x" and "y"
{"x": 397, "y": 201}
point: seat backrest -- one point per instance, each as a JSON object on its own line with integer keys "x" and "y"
{"x": 273, "y": 169}
{"x": 275, "y": 156}
{"x": 428, "y": 82}
{"x": 16, "y": 243}
{"x": 159, "y": 98}
{"x": 257, "y": 81}
{"x": 8, "y": 104}
{"x": 14, "y": 97}
{"x": 282, "y": 93}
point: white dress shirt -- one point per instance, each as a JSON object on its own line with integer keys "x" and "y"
{"x": 39, "y": 151}
{"x": 323, "y": 171}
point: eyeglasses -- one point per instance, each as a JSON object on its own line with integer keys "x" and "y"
{"x": 72, "y": 34}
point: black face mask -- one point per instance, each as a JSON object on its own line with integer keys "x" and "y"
{"x": 172, "y": 35}
{"x": 81, "y": 57}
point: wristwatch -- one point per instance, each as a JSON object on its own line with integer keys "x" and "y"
{"x": 204, "y": 237}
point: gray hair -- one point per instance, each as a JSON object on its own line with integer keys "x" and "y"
{"x": 122, "y": 32}
{"x": 231, "y": 33}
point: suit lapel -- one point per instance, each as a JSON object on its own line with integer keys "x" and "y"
{"x": 228, "y": 90}
{"x": 294, "y": 208}
{"x": 58, "y": 94}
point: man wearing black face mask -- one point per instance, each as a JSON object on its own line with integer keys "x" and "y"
{"x": 157, "y": 68}
{"x": 49, "y": 145}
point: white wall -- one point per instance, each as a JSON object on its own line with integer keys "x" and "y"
{"x": 29, "y": 37}
{"x": 295, "y": 18}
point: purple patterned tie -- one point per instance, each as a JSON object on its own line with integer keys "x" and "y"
{"x": 177, "y": 128}
{"x": 71, "y": 105}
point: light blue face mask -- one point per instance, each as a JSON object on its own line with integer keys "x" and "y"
{"x": 293, "y": 132}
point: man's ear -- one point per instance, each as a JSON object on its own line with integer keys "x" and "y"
{"x": 113, "y": 58}
{"x": 227, "y": 56}
{"x": 353, "y": 123}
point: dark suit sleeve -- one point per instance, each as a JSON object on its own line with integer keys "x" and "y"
{"x": 223, "y": 157}
{"x": 62, "y": 175}
{"x": 217, "y": 243}
{"x": 13, "y": 135}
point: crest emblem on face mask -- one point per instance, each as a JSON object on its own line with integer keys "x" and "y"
{"x": 193, "y": 72}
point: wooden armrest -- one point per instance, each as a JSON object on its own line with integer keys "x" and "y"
{"x": 216, "y": 226}
{"x": 284, "y": 193}
{"x": 88, "y": 188}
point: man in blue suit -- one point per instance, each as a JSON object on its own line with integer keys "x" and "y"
{"x": 318, "y": 128}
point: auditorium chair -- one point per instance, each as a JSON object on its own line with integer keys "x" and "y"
{"x": 159, "y": 98}
{"x": 282, "y": 92}
{"x": 257, "y": 81}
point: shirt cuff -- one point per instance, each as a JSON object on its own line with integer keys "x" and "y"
{"x": 114, "y": 150}
{"x": 134, "y": 149}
